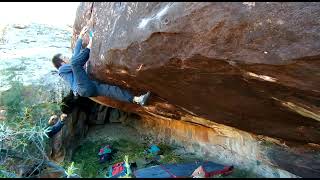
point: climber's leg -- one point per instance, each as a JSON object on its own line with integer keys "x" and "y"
{"x": 114, "y": 92}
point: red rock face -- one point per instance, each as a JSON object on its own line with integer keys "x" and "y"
{"x": 253, "y": 66}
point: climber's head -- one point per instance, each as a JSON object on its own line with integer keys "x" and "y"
{"x": 53, "y": 120}
{"x": 58, "y": 60}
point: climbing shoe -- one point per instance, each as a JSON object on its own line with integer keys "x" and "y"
{"x": 142, "y": 99}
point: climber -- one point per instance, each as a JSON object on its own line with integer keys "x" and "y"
{"x": 79, "y": 81}
{"x": 55, "y": 124}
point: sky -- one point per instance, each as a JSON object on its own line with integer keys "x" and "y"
{"x": 53, "y": 13}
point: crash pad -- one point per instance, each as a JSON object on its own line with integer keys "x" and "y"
{"x": 182, "y": 170}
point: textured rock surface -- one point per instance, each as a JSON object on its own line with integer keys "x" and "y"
{"x": 253, "y": 66}
{"x": 228, "y": 145}
{"x": 82, "y": 113}
{"x": 68, "y": 139}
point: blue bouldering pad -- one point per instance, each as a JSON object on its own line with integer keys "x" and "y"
{"x": 182, "y": 170}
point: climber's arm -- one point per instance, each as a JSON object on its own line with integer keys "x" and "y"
{"x": 66, "y": 68}
{"x": 81, "y": 58}
{"x": 78, "y": 46}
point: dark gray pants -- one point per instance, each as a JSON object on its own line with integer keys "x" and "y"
{"x": 90, "y": 88}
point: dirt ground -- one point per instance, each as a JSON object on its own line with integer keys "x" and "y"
{"x": 113, "y": 131}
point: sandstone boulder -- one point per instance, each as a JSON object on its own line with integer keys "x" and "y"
{"x": 252, "y": 66}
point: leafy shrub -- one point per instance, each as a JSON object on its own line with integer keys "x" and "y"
{"x": 23, "y": 136}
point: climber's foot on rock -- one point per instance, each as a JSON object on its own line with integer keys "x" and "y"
{"x": 142, "y": 100}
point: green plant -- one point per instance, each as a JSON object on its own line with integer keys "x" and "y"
{"x": 23, "y": 134}
{"x": 26, "y": 103}
{"x": 86, "y": 156}
{"x": 71, "y": 170}
{"x": 23, "y": 143}
{"x": 168, "y": 154}
{"x": 127, "y": 165}
{"x": 12, "y": 100}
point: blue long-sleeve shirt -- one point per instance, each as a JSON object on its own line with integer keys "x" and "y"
{"x": 55, "y": 128}
{"x": 65, "y": 71}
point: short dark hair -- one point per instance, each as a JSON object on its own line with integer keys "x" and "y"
{"x": 56, "y": 60}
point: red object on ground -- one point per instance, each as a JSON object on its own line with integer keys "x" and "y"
{"x": 117, "y": 168}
